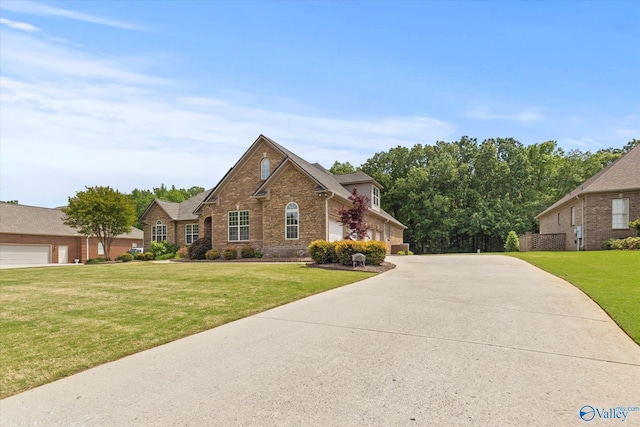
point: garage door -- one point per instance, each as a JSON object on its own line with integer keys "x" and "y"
{"x": 335, "y": 231}
{"x": 24, "y": 254}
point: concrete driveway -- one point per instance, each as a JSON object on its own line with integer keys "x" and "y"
{"x": 440, "y": 340}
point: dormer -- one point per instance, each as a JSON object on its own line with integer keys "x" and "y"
{"x": 365, "y": 185}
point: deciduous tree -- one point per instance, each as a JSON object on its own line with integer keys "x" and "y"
{"x": 102, "y": 212}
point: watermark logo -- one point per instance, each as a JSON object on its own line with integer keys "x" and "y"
{"x": 619, "y": 413}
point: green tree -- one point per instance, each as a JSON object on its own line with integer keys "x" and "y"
{"x": 340, "y": 168}
{"x": 102, "y": 212}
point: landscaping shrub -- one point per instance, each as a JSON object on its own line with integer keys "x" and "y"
{"x": 165, "y": 256}
{"x": 230, "y": 252}
{"x": 258, "y": 254}
{"x": 95, "y": 260}
{"x": 512, "y": 244}
{"x": 199, "y": 248}
{"x": 164, "y": 250}
{"x": 323, "y": 252}
{"x": 636, "y": 224}
{"x": 183, "y": 252}
{"x": 125, "y": 257}
{"x": 148, "y": 256}
{"x": 248, "y": 252}
{"x": 212, "y": 254}
{"x": 401, "y": 253}
{"x": 630, "y": 243}
{"x": 373, "y": 251}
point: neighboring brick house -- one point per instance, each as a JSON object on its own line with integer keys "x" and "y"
{"x": 276, "y": 202}
{"x": 174, "y": 222}
{"x": 34, "y": 235}
{"x": 599, "y": 209}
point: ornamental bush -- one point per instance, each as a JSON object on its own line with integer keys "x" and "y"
{"x": 512, "y": 244}
{"x": 248, "y": 251}
{"x": 183, "y": 252}
{"x": 125, "y": 257}
{"x": 199, "y": 248}
{"x": 230, "y": 252}
{"x": 630, "y": 243}
{"x": 212, "y": 254}
{"x": 323, "y": 252}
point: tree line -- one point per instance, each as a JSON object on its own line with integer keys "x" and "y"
{"x": 466, "y": 195}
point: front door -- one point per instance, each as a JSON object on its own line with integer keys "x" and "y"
{"x": 63, "y": 254}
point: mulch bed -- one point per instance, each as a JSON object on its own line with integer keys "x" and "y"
{"x": 385, "y": 266}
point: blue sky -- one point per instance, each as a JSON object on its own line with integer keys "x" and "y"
{"x": 132, "y": 94}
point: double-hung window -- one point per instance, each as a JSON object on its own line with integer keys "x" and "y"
{"x": 191, "y": 233}
{"x": 158, "y": 232}
{"x": 238, "y": 226}
{"x": 620, "y": 213}
{"x": 292, "y": 221}
{"x": 376, "y": 197}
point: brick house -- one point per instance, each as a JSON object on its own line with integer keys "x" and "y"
{"x": 35, "y": 235}
{"x": 276, "y": 202}
{"x": 599, "y": 209}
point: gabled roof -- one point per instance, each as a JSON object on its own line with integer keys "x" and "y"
{"x": 22, "y": 219}
{"x": 179, "y": 211}
{"x": 356, "y": 178}
{"x": 621, "y": 175}
{"x": 324, "y": 179}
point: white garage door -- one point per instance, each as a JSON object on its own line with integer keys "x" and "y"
{"x": 24, "y": 254}
{"x": 335, "y": 231}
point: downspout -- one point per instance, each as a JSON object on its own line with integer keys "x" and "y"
{"x": 326, "y": 214}
{"x": 87, "y": 248}
{"x": 584, "y": 226}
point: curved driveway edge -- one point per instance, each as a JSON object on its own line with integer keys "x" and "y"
{"x": 439, "y": 340}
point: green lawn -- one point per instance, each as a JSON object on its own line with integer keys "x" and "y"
{"x": 610, "y": 278}
{"x": 57, "y": 321}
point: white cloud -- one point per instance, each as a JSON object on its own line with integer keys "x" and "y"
{"x": 484, "y": 113}
{"x": 23, "y": 26}
{"x": 72, "y": 118}
{"x": 40, "y": 9}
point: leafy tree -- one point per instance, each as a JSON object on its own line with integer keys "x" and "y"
{"x": 102, "y": 212}
{"x": 10, "y": 202}
{"x": 353, "y": 218}
{"x": 340, "y": 168}
{"x": 512, "y": 244}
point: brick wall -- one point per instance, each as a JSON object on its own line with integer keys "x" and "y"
{"x": 236, "y": 195}
{"x": 292, "y": 186}
{"x": 155, "y": 214}
{"x": 597, "y": 226}
{"x": 598, "y": 218}
{"x": 543, "y": 242}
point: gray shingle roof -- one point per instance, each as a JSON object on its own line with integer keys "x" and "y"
{"x": 180, "y": 211}
{"x": 621, "y": 175}
{"x": 21, "y": 219}
{"x": 356, "y": 178}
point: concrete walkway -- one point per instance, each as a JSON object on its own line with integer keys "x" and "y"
{"x": 440, "y": 340}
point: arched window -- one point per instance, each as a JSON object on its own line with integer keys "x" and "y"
{"x": 265, "y": 168}
{"x": 292, "y": 221}
{"x": 158, "y": 232}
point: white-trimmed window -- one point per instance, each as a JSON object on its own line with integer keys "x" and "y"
{"x": 573, "y": 215}
{"x": 190, "y": 233}
{"x": 158, "y": 232}
{"x": 265, "y": 168}
{"x": 238, "y": 226}
{"x": 620, "y": 213}
{"x": 376, "y": 197}
{"x": 292, "y": 221}
{"x": 100, "y": 248}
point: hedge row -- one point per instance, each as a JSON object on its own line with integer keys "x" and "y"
{"x": 630, "y": 243}
{"x": 323, "y": 252}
